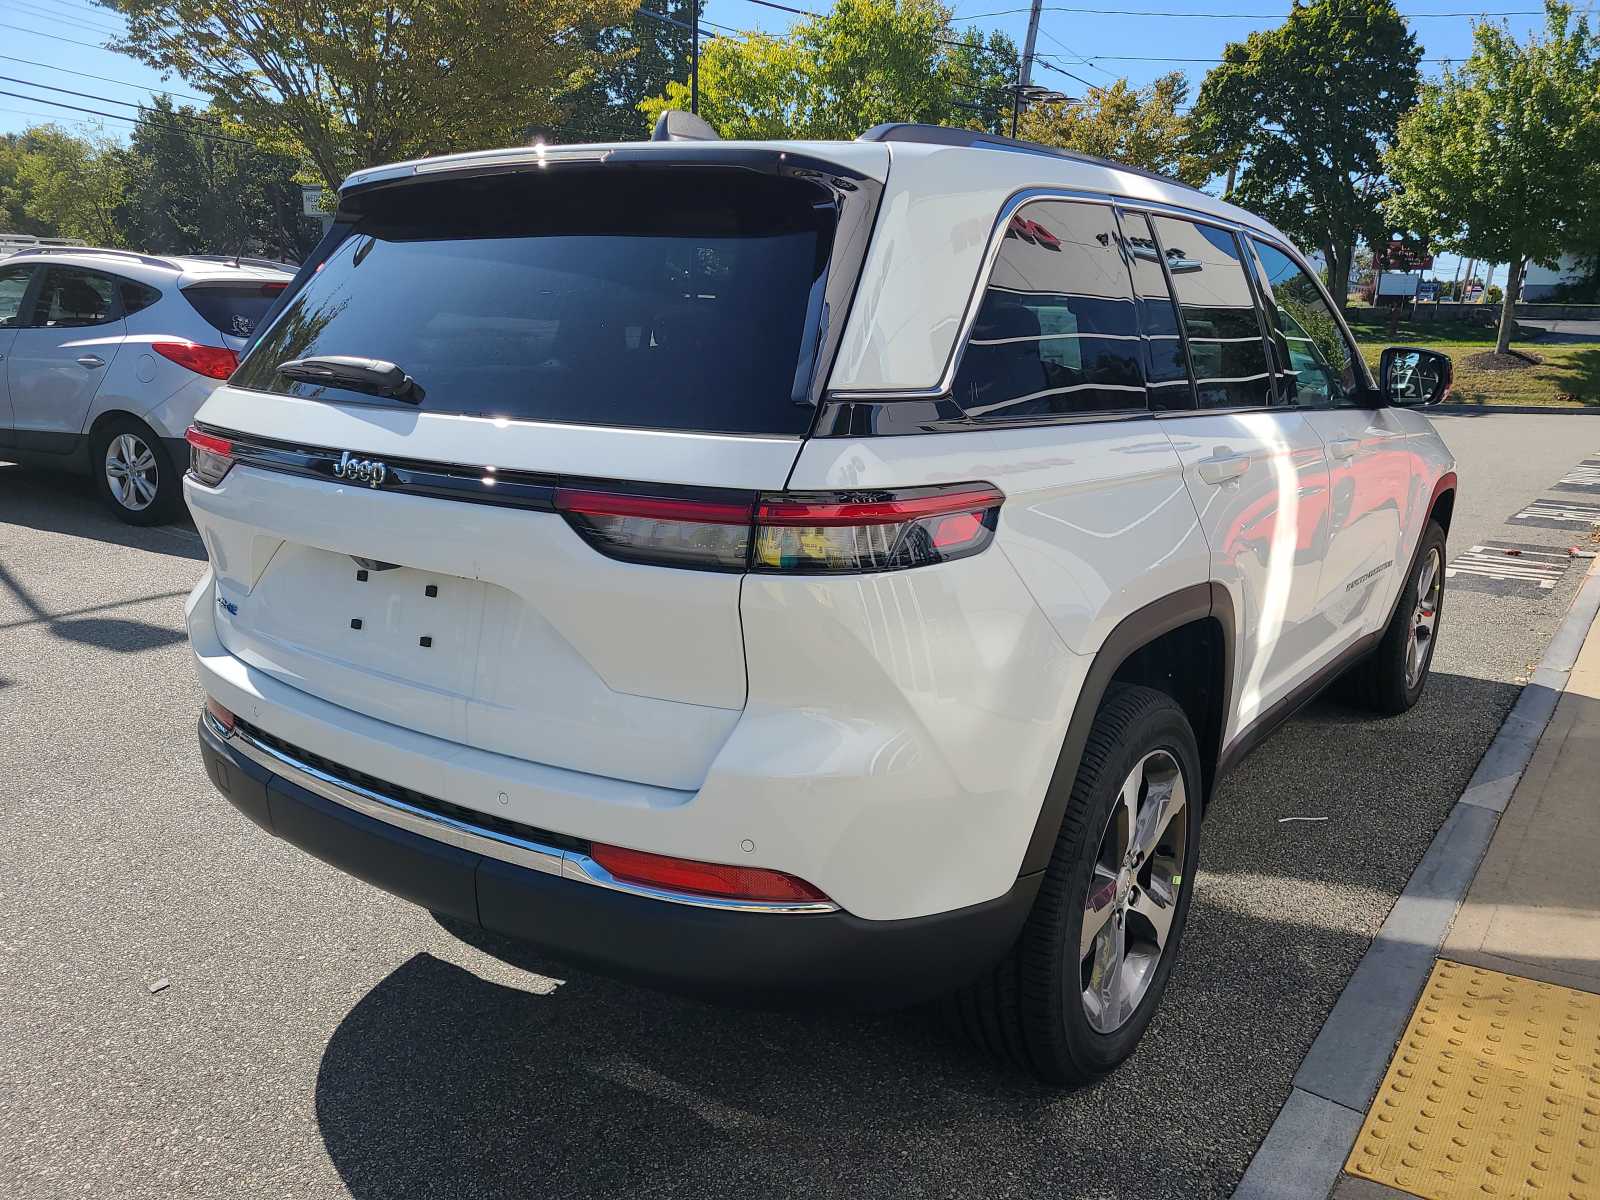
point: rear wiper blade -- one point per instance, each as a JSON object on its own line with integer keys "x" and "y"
{"x": 374, "y": 375}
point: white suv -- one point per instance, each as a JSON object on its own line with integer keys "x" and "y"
{"x": 805, "y": 569}
{"x": 105, "y": 355}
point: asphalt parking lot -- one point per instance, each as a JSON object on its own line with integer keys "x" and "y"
{"x": 317, "y": 1038}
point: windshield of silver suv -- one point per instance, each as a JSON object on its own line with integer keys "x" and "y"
{"x": 672, "y": 299}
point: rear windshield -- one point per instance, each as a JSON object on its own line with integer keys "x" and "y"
{"x": 686, "y": 298}
{"x": 233, "y": 309}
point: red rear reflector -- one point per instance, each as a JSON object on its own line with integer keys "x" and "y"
{"x": 221, "y": 715}
{"x": 214, "y": 362}
{"x": 703, "y": 878}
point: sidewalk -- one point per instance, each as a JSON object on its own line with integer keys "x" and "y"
{"x": 1463, "y": 1057}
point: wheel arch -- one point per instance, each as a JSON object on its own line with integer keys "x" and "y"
{"x": 1443, "y": 505}
{"x": 1181, "y": 644}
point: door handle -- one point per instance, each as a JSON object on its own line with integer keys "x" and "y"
{"x": 91, "y": 361}
{"x": 1222, "y": 470}
{"x": 1344, "y": 448}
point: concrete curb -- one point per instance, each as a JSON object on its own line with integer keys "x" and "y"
{"x": 1304, "y": 1151}
{"x": 1473, "y": 410}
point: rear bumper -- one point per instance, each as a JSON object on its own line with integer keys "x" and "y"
{"x": 761, "y": 957}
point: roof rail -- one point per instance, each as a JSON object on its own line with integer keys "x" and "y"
{"x": 148, "y": 260}
{"x": 236, "y": 260}
{"x": 941, "y": 135}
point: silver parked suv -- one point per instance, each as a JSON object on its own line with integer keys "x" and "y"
{"x": 106, "y": 354}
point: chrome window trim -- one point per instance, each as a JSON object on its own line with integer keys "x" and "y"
{"x": 549, "y": 860}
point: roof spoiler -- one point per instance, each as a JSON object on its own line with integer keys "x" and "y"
{"x": 675, "y": 125}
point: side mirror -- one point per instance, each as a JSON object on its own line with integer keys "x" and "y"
{"x": 1409, "y": 376}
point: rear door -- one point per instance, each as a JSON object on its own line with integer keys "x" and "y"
{"x": 13, "y": 289}
{"x": 1256, "y": 472}
{"x": 631, "y": 346}
{"x": 60, "y": 356}
{"x": 1370, "y": 471}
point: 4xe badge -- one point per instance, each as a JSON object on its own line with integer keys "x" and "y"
{"x": 361, "y": 470}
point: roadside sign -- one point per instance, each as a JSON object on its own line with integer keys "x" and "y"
{"x": 1402, "y": 256}
{"x": 311, "y": 199}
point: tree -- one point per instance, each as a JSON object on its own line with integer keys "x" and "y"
{"x": 352, "y": 83}
{"x": 862, "y": 63}
{"x": 70, "y": 186}
{"x": 640, "y": 58}
{"x": 1307, "y": 110}
{"x": 1141, "y": 127}
{"x": 190, "y": 191}
{"x": 1501, "y": 160}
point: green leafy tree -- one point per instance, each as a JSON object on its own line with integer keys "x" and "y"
{"x": 1143, "y": 127}
{"x": 189, "y": 193}
{"x": 861, "y": 64}
{"x": 638, "y": 59}
{"x": 1306, "y": 110}
{"x": 351, "y": 83}
{"x": 1501, "y": 160}
{"x": 68, "y": 186}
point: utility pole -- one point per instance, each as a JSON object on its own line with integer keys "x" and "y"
{"x": 694, "y": 56}
{"x": 1025, "y": 74}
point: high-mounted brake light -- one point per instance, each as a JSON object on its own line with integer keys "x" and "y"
{"x": 797, "y": 532}
{"x": 703, "y": 878}
{"x": 210, "y": 456}
{"x": 214, "y": 362}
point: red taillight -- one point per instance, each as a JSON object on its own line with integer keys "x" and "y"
{"x": 703, "y": 878}
{"x": 210, "y": 456}
{"x": 214, "y": 362}
{"x": 220, "y": 715}
{"x": 665, "y": 530}
{"x": 809, "y": 533}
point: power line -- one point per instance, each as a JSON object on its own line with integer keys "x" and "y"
{"x": 1088, "y": 62}
{"x": 45, "y": 14}
{"x": 1255, "y": 16}
{"x": 104, "y": 79}
{"x": 144, "y": 118}
{"x": 54, "y": 37}
{"x": 108, "y": 100}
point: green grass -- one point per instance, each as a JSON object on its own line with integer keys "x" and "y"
{"x": 1567, "y": 377}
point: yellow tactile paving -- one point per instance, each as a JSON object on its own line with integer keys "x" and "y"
{"x": 1494, "y": 1091}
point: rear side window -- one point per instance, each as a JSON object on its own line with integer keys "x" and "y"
{"x": 686, "y": 298}
{"x": 1219, "y": 314}
{"x": 13, "y": 286}
{"x": 72, "y": 297}
{"x": 1057, "y": 333}
{"x": 233, "y": 309}
{"x": 1165, "y": 369}
{"x": 136, "y": 296}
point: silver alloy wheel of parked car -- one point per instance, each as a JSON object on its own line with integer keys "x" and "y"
{"x": 1133, "y": 891}
{"x": 1425, "y": 617}
{"x": 132, "y": 472}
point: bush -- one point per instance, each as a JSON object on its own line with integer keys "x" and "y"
{"x": 1494, "y": 295}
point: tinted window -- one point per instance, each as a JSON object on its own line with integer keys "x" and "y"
{"x": 13, "y": 283}
{"x": 136, "y": 296}
{"x": 1057, "y": 333}
{"x": 1165, "y": 369}
{"x": 674, "y": 299}
{"x": 72, "y": 297}
{"x": 233, "y": 309}
{"x": 1219, "y": 314}
{"x": 1320, "y": 365}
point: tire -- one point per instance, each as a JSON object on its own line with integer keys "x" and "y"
{"x": 1384, "y": 681}
{"x": 148, "y": 496}
{"x": 1034, "y": 1010}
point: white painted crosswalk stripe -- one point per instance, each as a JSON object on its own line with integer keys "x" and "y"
{"x": 1541, "y": 569}
{"x": 1569, "y": 512}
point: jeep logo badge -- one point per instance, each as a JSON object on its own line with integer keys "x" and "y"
{"x": 360, "y": 470}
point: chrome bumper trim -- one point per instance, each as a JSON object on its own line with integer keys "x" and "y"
{"x": 551, "y": 860}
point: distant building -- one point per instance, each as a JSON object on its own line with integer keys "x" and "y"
{"x": 1538, "y": 283}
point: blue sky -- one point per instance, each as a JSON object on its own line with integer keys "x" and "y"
{"x": 59, "y": 43}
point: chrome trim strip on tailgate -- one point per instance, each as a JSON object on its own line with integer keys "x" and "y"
{"x": 551, "y": 860}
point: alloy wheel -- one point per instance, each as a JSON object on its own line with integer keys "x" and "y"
{"x": 131, "y": 472}
{"x": 1424, "y": 617}
{"x": 1133, "y": 891}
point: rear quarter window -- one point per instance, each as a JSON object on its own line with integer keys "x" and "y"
{"x": 684, "y": 298}
{"x": 233, "y": 309}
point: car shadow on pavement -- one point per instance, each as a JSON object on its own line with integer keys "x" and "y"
{"x": 52, "y": 502}
{"x": 125, "y": 634}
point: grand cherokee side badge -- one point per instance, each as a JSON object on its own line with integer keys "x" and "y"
{"x": 361, "y": 470}
{"x": 228, "y": 606}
